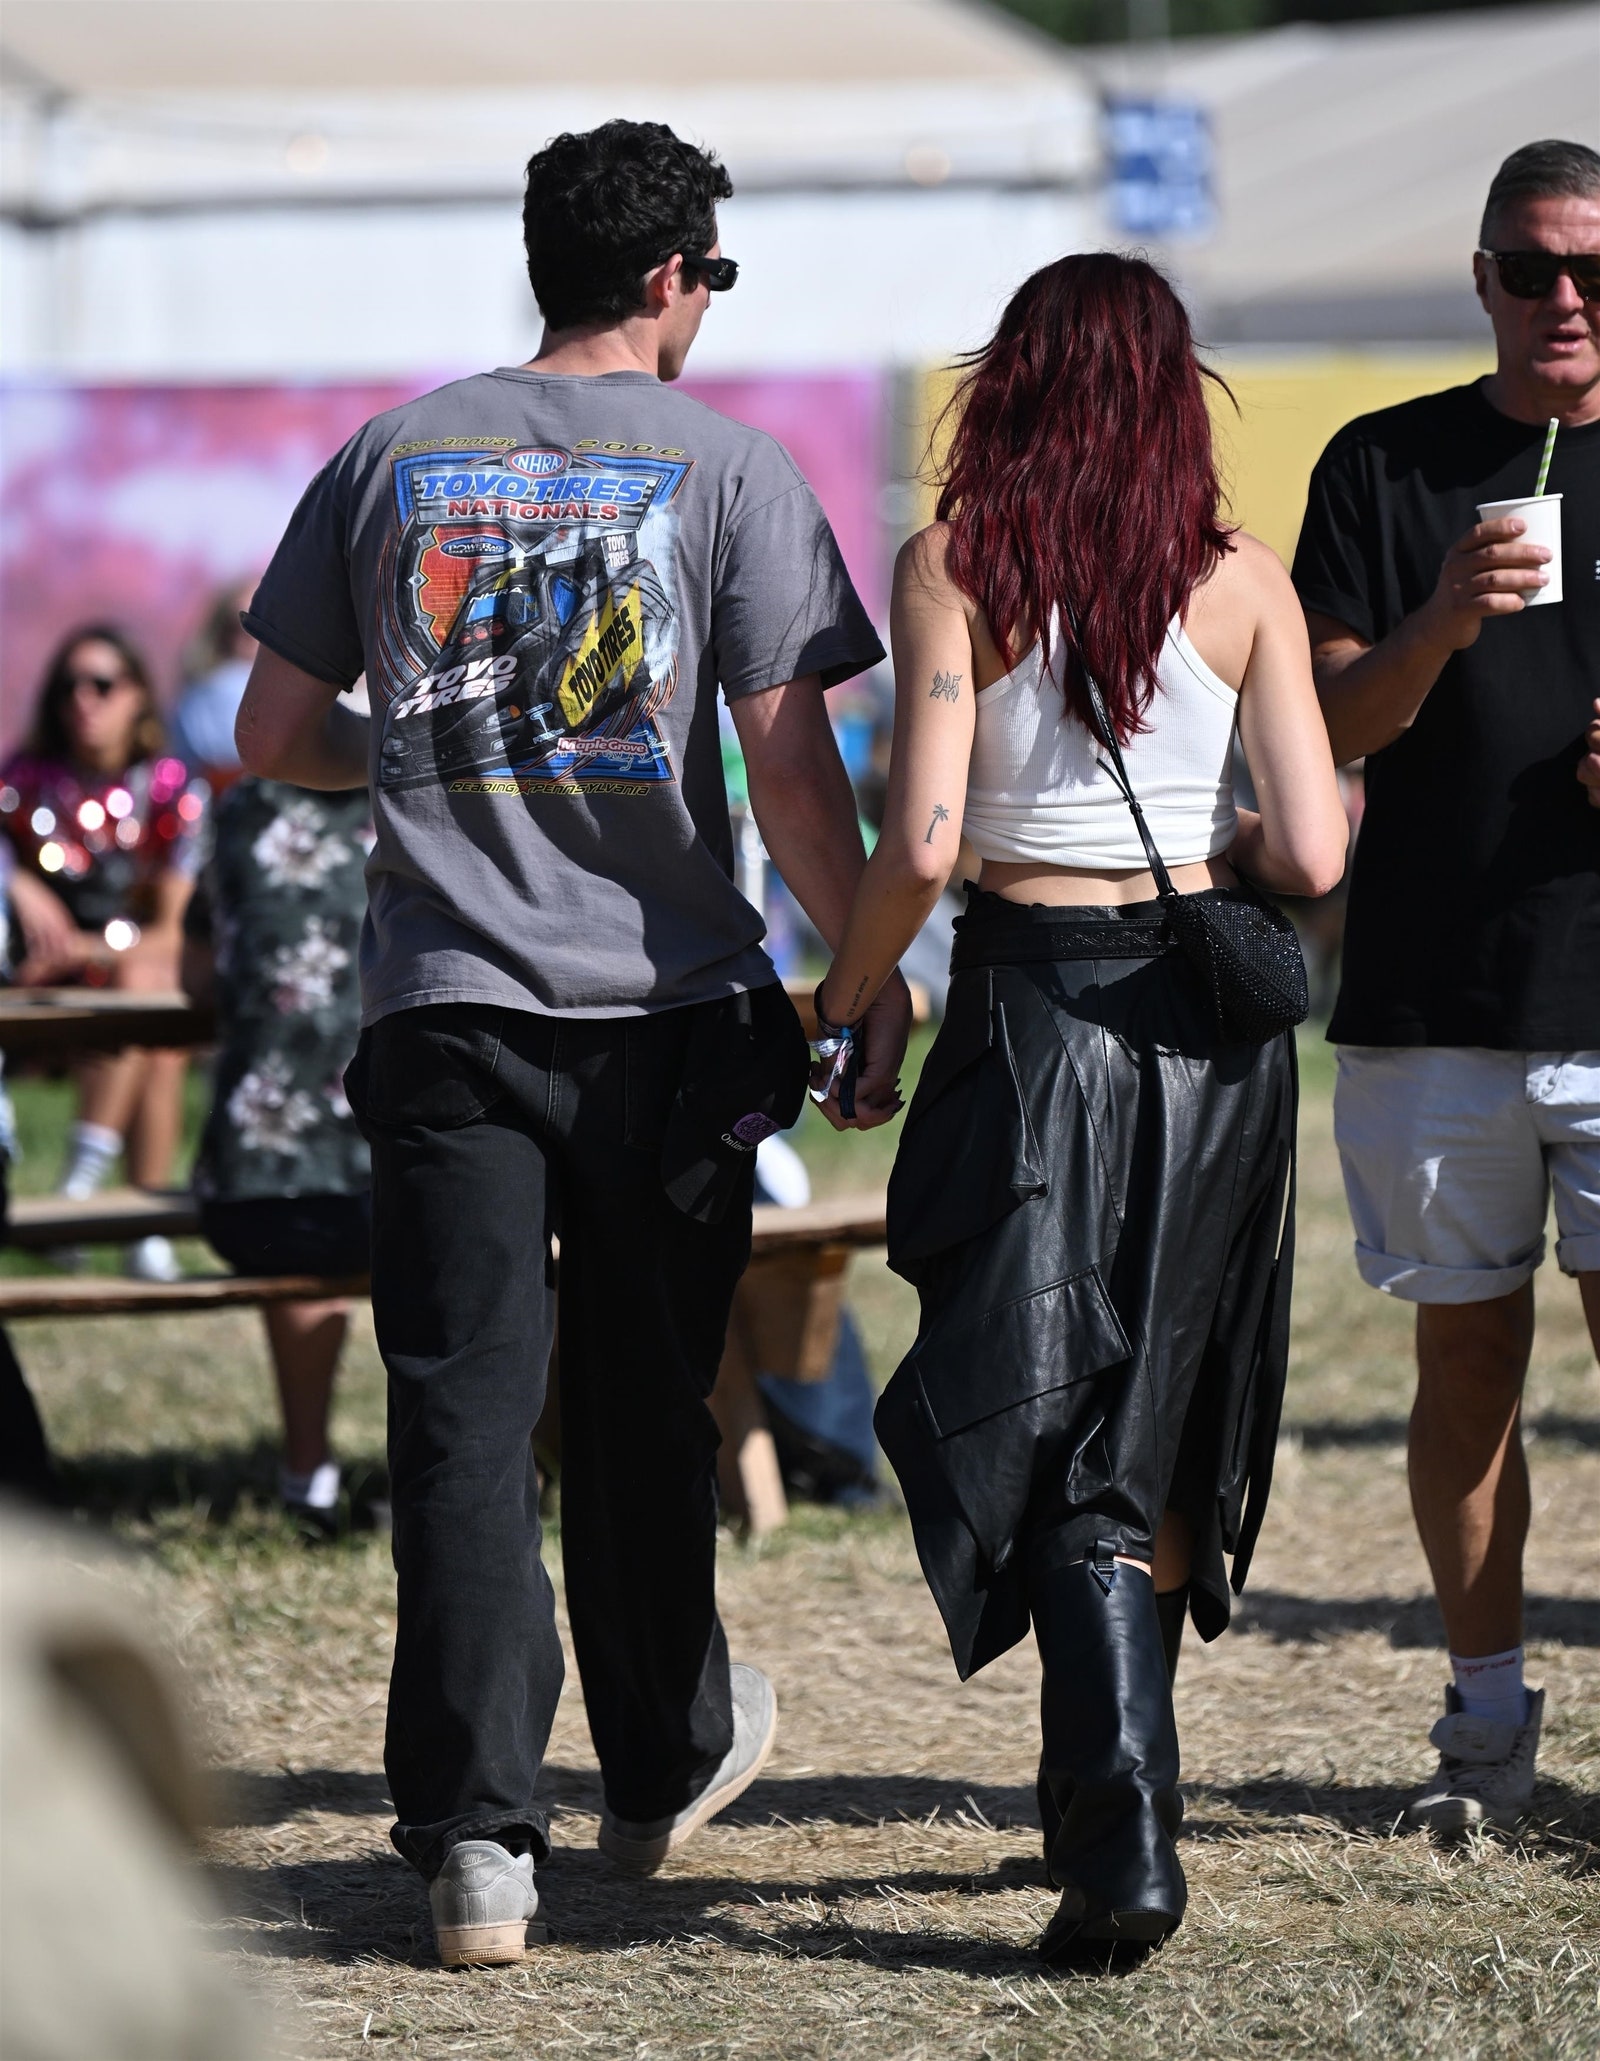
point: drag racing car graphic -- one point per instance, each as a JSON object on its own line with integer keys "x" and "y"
{"x": 567, "y": 637}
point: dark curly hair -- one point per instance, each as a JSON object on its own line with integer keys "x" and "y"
{"x": 604, "y": 208}
{"x": 49, "y": 737}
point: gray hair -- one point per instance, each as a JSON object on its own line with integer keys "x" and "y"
{"x": 1541, "y": 171}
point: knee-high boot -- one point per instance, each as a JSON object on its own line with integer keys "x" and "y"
{"x": 1172, "y": 1610}
{"x": 1110, "y": 1756}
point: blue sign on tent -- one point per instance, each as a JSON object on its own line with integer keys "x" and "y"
{"x": 1160, "y": 167}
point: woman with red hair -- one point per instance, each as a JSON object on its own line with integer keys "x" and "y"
{"x": 1090, "y": 1193}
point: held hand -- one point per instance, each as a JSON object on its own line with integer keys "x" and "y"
{"x": 881, "y": 1047}
{"x": 1589, "y": 764}
{"x": 885, "y": 1030}
{"x": 1489, "y": 571}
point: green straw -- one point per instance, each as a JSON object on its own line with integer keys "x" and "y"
{"x": 1549, "y": 447}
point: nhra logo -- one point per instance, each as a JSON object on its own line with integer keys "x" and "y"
{"x": 476, "y": 547}
{"x": 537, "y": 463}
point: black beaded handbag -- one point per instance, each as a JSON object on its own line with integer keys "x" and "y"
{"x": 1243, "y": 948}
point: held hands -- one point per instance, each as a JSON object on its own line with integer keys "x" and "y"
{"x": 1589, "y": 764}
{"x": 881, "y": 1047}
{"x": 1489, "y": 571}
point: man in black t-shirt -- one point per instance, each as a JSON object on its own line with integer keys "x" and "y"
{"x": 1468, "y": 1019}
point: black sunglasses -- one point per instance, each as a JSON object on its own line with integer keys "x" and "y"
{"x": 102, "y": 683}
{"x": 1528, "y": 275}
{"x": 718, "y": 273}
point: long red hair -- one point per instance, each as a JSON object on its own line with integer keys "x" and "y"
{"x": 1080, "y": 484}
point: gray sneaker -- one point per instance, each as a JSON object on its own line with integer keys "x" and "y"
{"x": 483, "y": 1903}
{"x": 1485, "y": 1770}
{"x": 642, "y": 1848}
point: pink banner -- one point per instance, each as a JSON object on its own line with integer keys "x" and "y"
{"x": 135, "y": 505}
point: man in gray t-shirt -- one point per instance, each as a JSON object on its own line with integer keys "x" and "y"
{"x": 546, "y": 573}
{"x": 546, "y": 577}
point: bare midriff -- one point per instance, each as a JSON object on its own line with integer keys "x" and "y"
{"x": 1070, "y": 887}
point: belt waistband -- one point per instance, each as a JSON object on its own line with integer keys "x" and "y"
{"x": 1143, "y": 937}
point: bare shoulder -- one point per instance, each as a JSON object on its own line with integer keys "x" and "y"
{"x": 1248, "y": 585}
{"x": 1253, "y": 570}
{"x": 921, "y": 570}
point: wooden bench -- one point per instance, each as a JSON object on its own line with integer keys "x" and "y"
{"x": 785, "y": 1317}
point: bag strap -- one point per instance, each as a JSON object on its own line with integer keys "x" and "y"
{"x": 1117, "y": 772}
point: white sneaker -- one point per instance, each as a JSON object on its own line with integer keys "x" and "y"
{"x": 1485, "y": 1770}
{"x": 641, "y": 1848}
{"x": 484, "y": 1904}
{"x": 152, "y": 1259}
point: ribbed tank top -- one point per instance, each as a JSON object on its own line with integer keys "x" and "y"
{"x": 1036, "y": 794}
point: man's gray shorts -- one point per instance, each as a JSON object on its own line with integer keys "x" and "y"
{"x": 1451, "y": 1154}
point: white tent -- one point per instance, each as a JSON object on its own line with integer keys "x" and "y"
{"x": 1352, "y": 162}
{"x": 204, "y": 189}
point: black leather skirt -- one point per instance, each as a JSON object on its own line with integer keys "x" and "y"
{"x": 1094, "y": 1199}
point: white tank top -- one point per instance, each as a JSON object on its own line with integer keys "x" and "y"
{"x": 1036, "y": 794}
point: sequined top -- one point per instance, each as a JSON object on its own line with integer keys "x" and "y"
{"x": 101, "y": 840}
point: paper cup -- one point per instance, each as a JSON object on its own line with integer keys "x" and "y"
{"x": 1542, "y": 515}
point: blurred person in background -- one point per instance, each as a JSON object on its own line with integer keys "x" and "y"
{"x": 103, "y": 824}
{"x": 1468, "y": 1017}
{"x": 1092, "y": 1185}
{"x": 216, "y": 667}
{"x": 570, "y": 1025}
{"x": 282, "y": 1173}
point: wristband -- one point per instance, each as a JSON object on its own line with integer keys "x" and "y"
{"x": 834, "y": 1046}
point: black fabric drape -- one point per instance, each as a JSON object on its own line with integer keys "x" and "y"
{"x": 1094, "y": 1200}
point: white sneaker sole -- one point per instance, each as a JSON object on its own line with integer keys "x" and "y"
{"x": 489, "y": 1946}
{"x": 644, "y": 1856}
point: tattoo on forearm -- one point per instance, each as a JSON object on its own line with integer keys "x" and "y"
{"x": 861, "y": 986}
{"x": 946, "y": 687}
{"x": 940, "y": 815}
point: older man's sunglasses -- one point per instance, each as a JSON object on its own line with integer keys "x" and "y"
{"x": 1528, "y": 275}
{"x": 718, "y": 273}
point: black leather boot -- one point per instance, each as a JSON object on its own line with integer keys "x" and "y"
{"x": 1172, "y": 1608}
{"x": 1110, "y": 1766}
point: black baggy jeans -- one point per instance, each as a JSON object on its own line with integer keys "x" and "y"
{"x": 492, "y": 1130}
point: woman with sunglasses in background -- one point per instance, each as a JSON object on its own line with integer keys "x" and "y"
{"x": 101, "y": 827}
{"x": 1090, "y": 1191}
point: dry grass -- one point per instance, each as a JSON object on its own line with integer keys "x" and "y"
{"x": 876, "y": 1893}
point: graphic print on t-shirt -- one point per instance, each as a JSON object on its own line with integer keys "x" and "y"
{"x": 533, "y": 636}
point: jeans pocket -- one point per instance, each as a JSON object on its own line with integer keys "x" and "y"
{"x": 432, "y": 1068}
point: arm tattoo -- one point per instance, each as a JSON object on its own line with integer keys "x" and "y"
{"x": 946, "y": 687}
{"x": 940, "y": 815}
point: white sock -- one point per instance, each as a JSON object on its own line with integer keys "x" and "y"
{"x": 92, "y": 1151}
{"x": 318, "y": 1490}
{"x": 1490, "y": 1686}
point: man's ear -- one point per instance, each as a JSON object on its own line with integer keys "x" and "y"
{"x": 1480, "y": 278}
{"x": 658, "y": 284}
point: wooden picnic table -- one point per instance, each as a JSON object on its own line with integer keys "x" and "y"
{"x": 61, "y": 1023}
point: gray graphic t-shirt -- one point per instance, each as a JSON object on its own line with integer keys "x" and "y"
{"x": 545, "y": 580}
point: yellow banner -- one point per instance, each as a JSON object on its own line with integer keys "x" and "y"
{"x": 613, "y": 632}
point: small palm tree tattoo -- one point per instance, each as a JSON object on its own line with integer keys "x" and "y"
{"x": 940, "y": 815}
